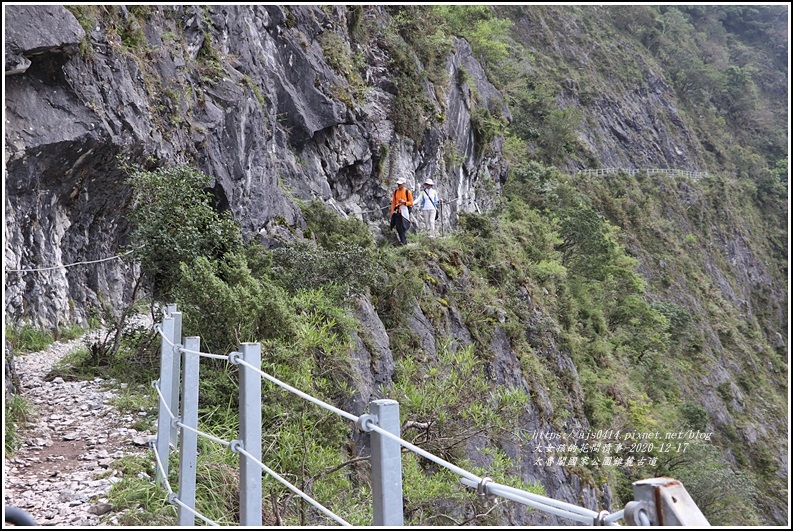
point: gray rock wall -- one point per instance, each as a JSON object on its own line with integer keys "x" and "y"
{"x": 239, "y": 92}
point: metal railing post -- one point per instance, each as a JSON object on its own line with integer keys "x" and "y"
{"x": 251, "y": 436}
{"x": 386, "y": 463}
{"x": 164, "y": 418}
{"x": 663, "y": 502}
{"x": 177, "y": 335}
{"x": 188, "y": 443}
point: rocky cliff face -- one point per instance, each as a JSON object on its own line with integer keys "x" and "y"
{"x": 240, "y": 92}
{"x": 629, "y": 109}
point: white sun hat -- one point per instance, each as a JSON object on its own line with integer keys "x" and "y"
{"x": 429, "y": 182}
{"x": 401, "y": 180}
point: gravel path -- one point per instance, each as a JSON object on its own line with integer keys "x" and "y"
{"x": 61, "y": 475}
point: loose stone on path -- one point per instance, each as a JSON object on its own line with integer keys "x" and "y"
{"x": 61, "y": 475}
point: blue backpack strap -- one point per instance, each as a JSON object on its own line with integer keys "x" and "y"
{"x": 434, "y": 204}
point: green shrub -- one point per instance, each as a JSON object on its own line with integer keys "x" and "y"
{"x": 444, "y": 403}
{"x": 27, "y": 338}
{"x": 304, "y": 265}
{"x": 585, "y": 246}
{"x": 331, "y": 231}
{"x": 694, "y": 416}
{"x": 174, "y": 222}
{"x": 724, "y": 390}
{"x": 721, "y": 493}
{"x": 488, "y": 35}
{"x": 224, "y": 304}
{"x": 486, "y": 126}
{"x": 558, "y": 136}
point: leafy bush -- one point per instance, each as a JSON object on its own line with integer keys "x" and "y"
{"x": 488, "y": 34}
{"x": 586, "y": 248}
{"x": 174, "y": 222}
{"x": 558, "y": 136}
{"x": 224, "y": 304}
{"x": 486, "y": 126}
{"x": 695, "y": 416}
{"x": 444, "y": 404}
{"x": 331, "y": 231}
{"x": 305, "y": 265}
{"x": 721, "y": 493}
{"x": 479, "y": 225}
{"x": 424, "y": 30}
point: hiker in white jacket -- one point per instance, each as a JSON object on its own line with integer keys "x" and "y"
{"x": 428, "y": 202}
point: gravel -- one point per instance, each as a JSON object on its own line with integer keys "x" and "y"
{"x": 62, "y": 474}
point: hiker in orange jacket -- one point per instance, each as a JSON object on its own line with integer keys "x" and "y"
{"x": 401, "y": 201}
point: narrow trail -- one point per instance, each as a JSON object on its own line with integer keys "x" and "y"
{"x": 62, "y": 473}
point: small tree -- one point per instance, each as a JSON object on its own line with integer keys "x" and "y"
{"x": 175, "y": 223}
{"x": 558, "y": 134}
{"x": 585, "y": 247}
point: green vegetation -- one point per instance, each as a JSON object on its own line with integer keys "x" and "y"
{"x": 307, "y": 334}
{"x": 86, "y": 17}
{"x": 412, "y": 108}
{"x": 138, "y": 502}
{"x": 16, "y": 414}
{"x": 722, "y": 494}
{"x": 27, "y": 338}
{"x": 175, "y": 223}
{"x": 726, "y": 65}
{"x": 135, "y": 401}
{"x": 488, "y": 34}
{"x": 729, "y": 57}
{"x": 347, "y": 64}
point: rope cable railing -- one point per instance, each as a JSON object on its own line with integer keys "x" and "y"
{"x": 172, "y": 497}
{"x": 234, "y": 445}
{"x": 163, "y": 401}
{"x": 545, "y": 500}
{"x": 299, "y": 393}
{"x": 550, "y": 505}
{"x": 179, "y": 349}
{"x": 493, "y": 489}
{"x": 612, "y": 518}
{"x": 387, "y": 207}
{"x": 64, "y": 266}
{"x": 294, "y": 489}
{"x": 204, "y": 354}
{"x": 591, "y": 171}
{"x": 161, "y": 468}
{"x": 540, "y": 502}
{"x": 203, "y": 434}
{"x": 412, "y": 447}
{"x": 483, "y": 485}
{"x": 176, "y": 500}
